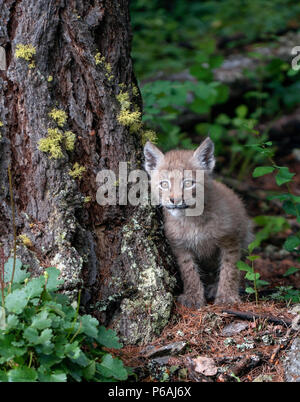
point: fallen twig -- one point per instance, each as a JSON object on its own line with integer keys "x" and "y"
{"x": 247, "y": 315}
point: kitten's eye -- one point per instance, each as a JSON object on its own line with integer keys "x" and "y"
{"x": 188, "y": 183}
{"x": 164, "y": 185}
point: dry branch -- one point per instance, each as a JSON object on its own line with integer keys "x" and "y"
{"x": 247, "y": 315}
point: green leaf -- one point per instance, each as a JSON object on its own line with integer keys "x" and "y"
{"x": 201, "y": 73}
{"x": 57, "y": 377}
{"x": 241, "y": 111}
{"x": 16, "y": 301}
{"x": 275, "y": 223}
{"x": 291, "y": 271}
{"x": 89, "y": 325}
{"x": 251, "y": 276}
{"x": 90, "y": 370}
{"x": 56, "y": 308}
{"x": 22, "y": 374}
{"x": 284, "y": 197}
{"x": 202, "y": 90}
{"x": 291, "y": 208}
{"x": 242, "y": 266}
{"x": 250, "y": 290}
{"x": 46, "y": 375}
{"x": 41, "y": 320}
{"x": 283, "y": 176}
{"x": 34, "y": 287}
{"x": 223, "y": 119}
{"x": 110, "y": 367}
{"x": 47, "y": 361}
{"x": 72, "y": 350}
{"x": 82, "y": 360}
{"x": 33, "y": 337}
{"x": 7, "y": 350}
{"x": 223, "y": 93}
{"x": 12, "y": 321}
{"x": 262, "y": 170}
{"x": 199, "y": 106}
{"x": 46, "y": 336}
{"x": 252, "y": 246}
{"x": 108, "y": 338}
{"x": 253, "y": 257}
{"x": 20, "y": 274}
{"x": 261, "y": 282}
{"x": 53, "y": 283}
{"x": 292, "y": 243}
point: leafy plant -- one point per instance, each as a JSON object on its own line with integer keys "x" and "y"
{"x": 251, "y": 275}
{"x": 273, "y": 224}
{"x": 44, "y": 338}
{"x": 290, "y": 205}
{"x": 286, "y": 293}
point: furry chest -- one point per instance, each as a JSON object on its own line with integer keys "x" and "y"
{"x": 199, "y": 242}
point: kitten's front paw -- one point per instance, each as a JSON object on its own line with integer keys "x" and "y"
{"x": 191, "y": 302}
{"x": 227, "y": 299}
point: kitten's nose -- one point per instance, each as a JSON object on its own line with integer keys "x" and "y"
{"x": 175, "y": 201}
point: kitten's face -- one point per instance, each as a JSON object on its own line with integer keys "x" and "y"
{"x": 174, "y": 189}
{"x": 177, "y": 178}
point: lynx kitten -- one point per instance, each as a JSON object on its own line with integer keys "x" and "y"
{"x": 207, "y": 246}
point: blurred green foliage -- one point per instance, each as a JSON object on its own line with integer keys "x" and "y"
{"x": 173, "y": 31}
{"x": 186, "y": 37}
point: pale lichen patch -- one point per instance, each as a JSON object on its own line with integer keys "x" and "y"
{"x": 69, "y": 264}
{"x": 148, "y": 312}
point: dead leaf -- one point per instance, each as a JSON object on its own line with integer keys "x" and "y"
{"x": 205, "y": 366}
{"x": 234, "y": 328}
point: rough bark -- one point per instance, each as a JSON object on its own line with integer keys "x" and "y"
{"x": 117, "y": 255}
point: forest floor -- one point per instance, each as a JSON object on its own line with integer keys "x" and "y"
{"x": 233, "y": 349}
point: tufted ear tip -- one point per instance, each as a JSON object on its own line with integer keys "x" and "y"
{"x": 152, "y": 156}
{"x": 204, "y": 155}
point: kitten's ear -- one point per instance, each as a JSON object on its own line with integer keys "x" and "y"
{"x": 204, "y": 155}
{"x": 152, "y": 156}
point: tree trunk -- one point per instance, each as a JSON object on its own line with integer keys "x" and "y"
{"x": 80, "y": 63}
